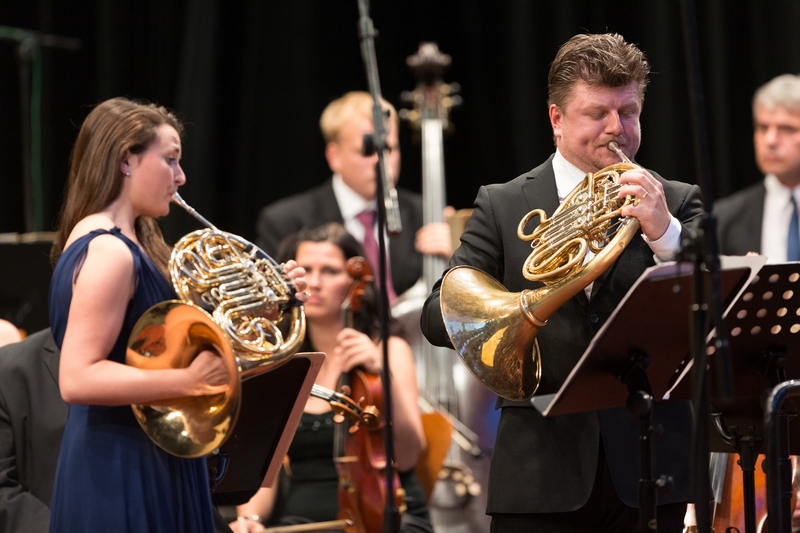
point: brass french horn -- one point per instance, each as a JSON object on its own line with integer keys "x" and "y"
{"x": 234, "y": 299}
{"x": 493, "y": 330}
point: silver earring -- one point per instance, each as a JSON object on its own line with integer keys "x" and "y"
{"x": 127, "y": 172}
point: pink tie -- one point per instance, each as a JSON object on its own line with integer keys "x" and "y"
{"x": 367, "y": 219}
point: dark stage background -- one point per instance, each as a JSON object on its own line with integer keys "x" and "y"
{"x": 250, "y": 79}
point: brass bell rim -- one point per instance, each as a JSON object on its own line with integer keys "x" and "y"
{"x": 168, "y": 336}
{"x": 486, "y": 292}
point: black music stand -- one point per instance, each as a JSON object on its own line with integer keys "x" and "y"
{"x": 636, "y": 366}
{"x": 764, "y": 340}
{"x": 272, "y": 404}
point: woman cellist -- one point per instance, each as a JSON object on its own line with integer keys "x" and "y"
{"x": 309, "y": 490}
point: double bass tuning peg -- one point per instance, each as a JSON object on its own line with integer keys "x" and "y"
{"x": 411, "y": 115}
{"x": 450, "y": 89}
{"x": 431, "y": 98}
{"x": 407, "y": 97}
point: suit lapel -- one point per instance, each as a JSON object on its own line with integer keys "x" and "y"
{"x": 540, "y": 189}
{"x": 604, "y": 275}
{"x": 328, "y": 206}
{"x": 51, "y": 357}
{"x": 752, "y": 219}
{"x": 541, "y": 193}
{"x": 401, "y": 245}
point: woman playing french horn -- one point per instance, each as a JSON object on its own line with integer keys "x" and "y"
{"x": 111, "y": 267}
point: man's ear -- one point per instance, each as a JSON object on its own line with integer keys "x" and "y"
{"x": 332, "y": 155}
{"x": 555, "y": 119}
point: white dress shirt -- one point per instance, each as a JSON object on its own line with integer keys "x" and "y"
{"x": 350, "y": 205}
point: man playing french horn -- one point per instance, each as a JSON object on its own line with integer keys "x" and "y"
{"x": 579, "y": 472}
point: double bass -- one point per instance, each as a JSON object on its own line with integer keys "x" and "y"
{"x": 359, "y": 451}
{"x": 455, "y": 496}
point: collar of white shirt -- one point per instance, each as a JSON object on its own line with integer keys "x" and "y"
{"x": 350, "y": 205}
{"x": 350, "y": 202}
{"x": 568, "y": 176}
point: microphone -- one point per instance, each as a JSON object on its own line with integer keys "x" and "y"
{"x": 393, "y": 224}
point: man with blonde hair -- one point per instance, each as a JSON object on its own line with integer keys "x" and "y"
{"x": 348, "y": 197}
{"x": 763, "y": 217}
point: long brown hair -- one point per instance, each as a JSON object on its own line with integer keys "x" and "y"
{"x": 112, "y": 129}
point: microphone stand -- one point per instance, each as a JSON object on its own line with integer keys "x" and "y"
{"x": 29, "y": 46}
{"x": 388, "y": 213}
{"x": 703, "y": 250}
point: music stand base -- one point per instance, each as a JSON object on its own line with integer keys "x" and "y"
{"x": 640, "y": 403}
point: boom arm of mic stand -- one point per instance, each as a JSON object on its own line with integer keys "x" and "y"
{"x": 706, "y": 252}
{"x": 366, "y": 32}
{"x": 390, "y": 213}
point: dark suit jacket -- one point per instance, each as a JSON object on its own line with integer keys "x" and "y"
{"x": 32, "y": 418}
{"x": 739, "y": 220}
{"x": 318, "y": 206}
{"x": 548, "y": 464}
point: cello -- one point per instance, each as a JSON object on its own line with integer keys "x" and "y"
{"x": 729, "y": 513}
{"x": 359, "y": 452}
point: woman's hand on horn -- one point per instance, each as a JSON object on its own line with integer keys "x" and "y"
{"x": 649, "y": 205}
{"x": 296, "y": 274}
{"x": 208, "y": 374}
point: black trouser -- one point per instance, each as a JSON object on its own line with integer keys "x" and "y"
{"x": 603, "y": 513}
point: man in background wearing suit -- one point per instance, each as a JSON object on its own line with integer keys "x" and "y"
{"x": 351, "y": 191}
{"x": 32, "y": 418}
{"x": 763, "y": 217}
{"x": 579, "y": 472}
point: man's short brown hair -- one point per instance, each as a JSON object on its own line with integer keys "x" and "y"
{"x": 600, "y": 60}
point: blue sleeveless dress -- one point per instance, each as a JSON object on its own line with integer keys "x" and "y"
{"x": 111, "y": 476}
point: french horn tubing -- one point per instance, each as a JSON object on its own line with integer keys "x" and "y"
{"x": 493, "y": 330}
{"x": 234, "y": 299}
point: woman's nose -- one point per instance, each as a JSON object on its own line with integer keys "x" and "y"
{"x": 312, "y": 279}
{"x": 180, "y": 176}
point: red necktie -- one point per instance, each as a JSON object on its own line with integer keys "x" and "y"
{"x": 367, "y": 219}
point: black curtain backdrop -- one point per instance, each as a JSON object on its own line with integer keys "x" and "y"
{"x": 251, "y": 77}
